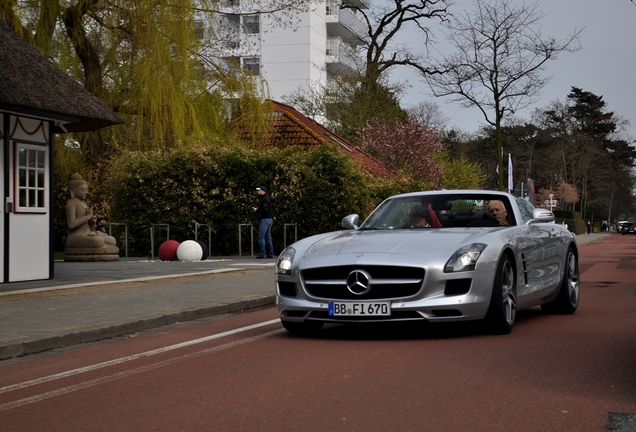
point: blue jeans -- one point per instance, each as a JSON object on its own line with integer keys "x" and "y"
{"x": 265, "y": 237}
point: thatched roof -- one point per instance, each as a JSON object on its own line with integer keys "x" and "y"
{"x": 30, "y": 84}
{"x": 292, "y": 128}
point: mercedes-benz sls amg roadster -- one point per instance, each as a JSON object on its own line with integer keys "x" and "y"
{"x": 431, "y": 256}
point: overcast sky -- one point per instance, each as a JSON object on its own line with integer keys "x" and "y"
{"x": 604, "y": 66}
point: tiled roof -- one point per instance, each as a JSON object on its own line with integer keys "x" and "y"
{"x": 292, "y": 128}
{"x": 31, "y": 83}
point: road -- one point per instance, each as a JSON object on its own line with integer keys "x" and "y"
{"x": 243, "y": 372}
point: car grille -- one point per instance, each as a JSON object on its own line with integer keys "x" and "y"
{"x": 388, "y": 282}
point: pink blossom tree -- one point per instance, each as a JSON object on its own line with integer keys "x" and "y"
{"x": 407, "y": 148}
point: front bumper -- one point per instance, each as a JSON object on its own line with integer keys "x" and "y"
{"x": 443, "y": 297}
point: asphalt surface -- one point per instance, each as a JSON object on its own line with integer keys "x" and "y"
{"x": 87, "y": 302}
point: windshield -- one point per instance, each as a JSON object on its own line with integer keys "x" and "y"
{"x": 525, "y": 208}
{"x": 436, "y": 211}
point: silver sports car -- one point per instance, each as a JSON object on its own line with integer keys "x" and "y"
{"x": 434, "y": 256}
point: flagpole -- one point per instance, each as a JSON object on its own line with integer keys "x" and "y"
{"x": 510, "y": 177}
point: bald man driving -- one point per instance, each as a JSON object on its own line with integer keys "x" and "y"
{"x": 497, "y": 212}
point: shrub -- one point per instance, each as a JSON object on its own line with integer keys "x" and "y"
{"x": 313, "y": 188}
{"x": 572, "y": 219}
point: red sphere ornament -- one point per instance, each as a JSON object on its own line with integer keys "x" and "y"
{"x": 168, "y": 250}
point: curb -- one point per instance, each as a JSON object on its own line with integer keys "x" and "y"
{"x": 113, "y": 282}
{"x": 18, "y": 349}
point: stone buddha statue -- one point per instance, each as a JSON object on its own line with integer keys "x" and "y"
{"x": 83, "y": 241}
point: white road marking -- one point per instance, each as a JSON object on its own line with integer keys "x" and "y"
{"x": 132, "y": 357}
{"x": 108, "y": 378}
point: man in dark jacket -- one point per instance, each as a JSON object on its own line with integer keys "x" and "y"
{"x": 265, "y": 222}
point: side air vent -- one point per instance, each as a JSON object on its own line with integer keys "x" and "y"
{"x": 287, "y": 289}
{"x": 457, "y": 287}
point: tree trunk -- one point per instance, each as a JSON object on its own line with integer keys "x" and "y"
{"x": 46, "y": 25}
{"x": 83, "y": 47}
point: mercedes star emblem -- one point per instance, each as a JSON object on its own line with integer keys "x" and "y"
{"x": 359, "y": 282}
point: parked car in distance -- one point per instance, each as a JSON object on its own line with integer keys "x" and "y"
{"x": 628, "y": 228}
{"x": 459, "y": 266}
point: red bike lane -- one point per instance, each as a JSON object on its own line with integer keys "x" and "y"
{"x": 553, "y": 372}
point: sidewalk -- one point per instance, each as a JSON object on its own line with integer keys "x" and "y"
{"x": 92, "y": 301}
{"x": 584, "y": 239}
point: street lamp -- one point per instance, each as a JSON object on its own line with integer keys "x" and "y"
{"x": 550, "y": 202}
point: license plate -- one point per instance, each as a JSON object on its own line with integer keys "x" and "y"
{"x": 359, "y": 309}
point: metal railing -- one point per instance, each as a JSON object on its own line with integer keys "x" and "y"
{"x": 285, "y": 232}
{"x": 152, "y": 237}
{"x": 342, "y": 55}
{"x": 251, "y": 238}
{"x": 196, "y": 234}
{"x": 347, "y": 19}
{"x": 197, "y": 225}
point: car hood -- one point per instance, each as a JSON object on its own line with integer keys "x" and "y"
{"x": 413, "y": 242}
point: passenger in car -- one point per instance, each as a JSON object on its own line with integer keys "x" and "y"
{"x": 419, "y": 217}
{"x": 497, "y": 212}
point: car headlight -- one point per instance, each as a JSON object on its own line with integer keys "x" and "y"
{"x": 285, "y": 259}
{"x": 465, "y": 258}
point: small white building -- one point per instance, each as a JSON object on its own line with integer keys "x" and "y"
{"x": 322, "y": 44}
{"x": 37, "y": 100}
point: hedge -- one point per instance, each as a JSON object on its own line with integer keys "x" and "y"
{"x": 313, "y": 188}
{"x": 572, "y": 219}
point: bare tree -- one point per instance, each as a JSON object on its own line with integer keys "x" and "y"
{"x": 499, "y": 60}
{"x": 347, "y": 102}
{"x": 428, "y": 114}
{"x": 384, "y": 21}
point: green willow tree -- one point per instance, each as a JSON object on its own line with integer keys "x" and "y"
{"x": 154, "y": 62}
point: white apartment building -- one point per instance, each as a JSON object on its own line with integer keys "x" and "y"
{"x": 320, "y": 45}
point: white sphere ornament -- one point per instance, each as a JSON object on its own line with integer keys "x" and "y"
{"x": 189, "y": 250}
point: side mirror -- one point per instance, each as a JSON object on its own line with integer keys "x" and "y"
{"x": 351, "y": 221}
{"x": 541, "y": 215}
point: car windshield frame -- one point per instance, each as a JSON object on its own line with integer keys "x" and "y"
{"x": 453, "y": 210}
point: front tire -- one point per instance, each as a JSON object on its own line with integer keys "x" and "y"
{"x": 305, "y": 328}
{"x": 567, "y": 301}
{"x": 503, "y": 303}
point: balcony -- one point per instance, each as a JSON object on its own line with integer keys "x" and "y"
{"x": 362, "y": 4}
{"x": 341, "y": 58}
{"x": 344, "y": 24}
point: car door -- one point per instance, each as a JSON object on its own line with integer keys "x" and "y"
{"x": 544, "y": 260}
{"x": 549, "y": 253}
